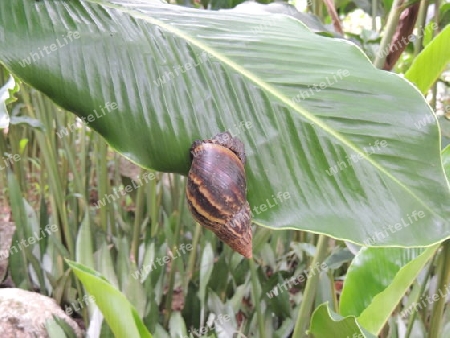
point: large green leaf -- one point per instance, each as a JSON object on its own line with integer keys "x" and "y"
{"x": 328, "y": 130}
{"x": 386, "y": 274}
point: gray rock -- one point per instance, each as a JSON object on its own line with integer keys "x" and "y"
{"x": 23, "y": 314}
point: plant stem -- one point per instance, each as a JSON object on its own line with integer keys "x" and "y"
{"x": 192, "y": 256}
{"x": 310, "y": 289}
{"x": 391, "y": 26}
{"x": 256, "y": 299}
{"x": 413, "y": 315}
{"x": 443, "y": 283}
{"x": 318, "y": 9}
{"x": 153, "y": 203}
{"x": 102, "y": 183}
{"x": 421, "y": 17}
{"x": 374, "y": 15}
{"x": 435, "y": 33}
{"x": 175, "y": 245}
{"x": 137, "y": 223}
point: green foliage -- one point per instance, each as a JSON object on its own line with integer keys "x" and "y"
{"x": 305, "y": 89}
{"x": 308, "y": 107}
{"x": 118, "y": 312}
{"x": 386, "y": 273}
{"x": 431, "y": 62}
{"x": 325, "y": 321}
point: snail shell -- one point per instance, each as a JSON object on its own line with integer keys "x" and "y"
{"x": 216, "y": 190}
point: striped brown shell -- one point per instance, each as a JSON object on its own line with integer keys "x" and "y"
{"x": 217, "y": 191}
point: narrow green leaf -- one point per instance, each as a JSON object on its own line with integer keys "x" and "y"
{"x": 54, "y": 330}
{"x": 34, "y": 123}
{"x": 177, "y": 325}
{"x": 58, "y": 327}
{"x": 430, "y": 63}
{"x": 324, "y": 321}
{"x": 386, "y": 274}
{"x": 206, "y": 268}
{"x": 121, "y": 316}
{"x": 18, "y": 263}
{"x": 136, "y": 295}
{"x": 84, "y": 248}
{"x": 105, "y": 265}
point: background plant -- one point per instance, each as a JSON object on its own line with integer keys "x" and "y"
{"x": 61, "y": 179}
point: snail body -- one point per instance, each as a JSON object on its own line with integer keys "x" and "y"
{"x": 216, "y": 190}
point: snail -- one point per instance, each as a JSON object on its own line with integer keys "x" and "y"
{"x": 216, "y": 190}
